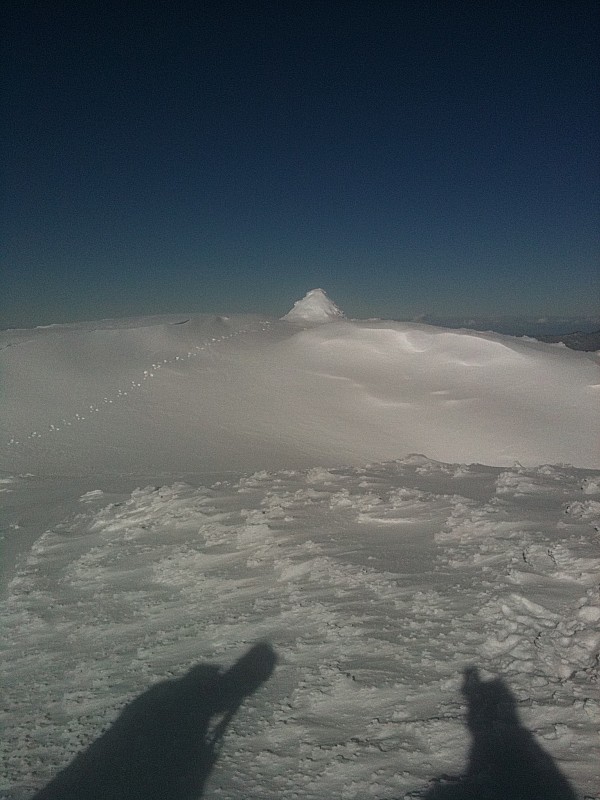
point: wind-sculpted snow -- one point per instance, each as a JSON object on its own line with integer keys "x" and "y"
{"x": 377, "y": 586}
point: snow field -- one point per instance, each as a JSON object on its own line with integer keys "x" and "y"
{"x": 375, "y": 585}
{"x": 165, "y": 504}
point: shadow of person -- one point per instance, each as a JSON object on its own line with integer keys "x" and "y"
{"x": 166, "y": 741}
{"x": 505, "y": 761}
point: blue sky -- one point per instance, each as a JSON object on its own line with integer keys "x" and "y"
{"x": 410, "y": 158}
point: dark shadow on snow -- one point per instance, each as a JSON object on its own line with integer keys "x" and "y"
{"x": 163, "y": 745}
{"x": 505, "y": 761}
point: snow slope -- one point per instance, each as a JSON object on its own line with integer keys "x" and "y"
{"x": 176, "y": 489}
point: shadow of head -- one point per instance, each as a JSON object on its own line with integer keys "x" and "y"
{"x": 505, "y": 760}
{"x": 488, "y": 702}
{"x": 165, "y": 742}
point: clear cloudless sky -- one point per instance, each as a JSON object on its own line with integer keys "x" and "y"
{"x": 410, "y": 157}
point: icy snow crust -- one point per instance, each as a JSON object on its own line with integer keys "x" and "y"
{"x": 177, "y": 489}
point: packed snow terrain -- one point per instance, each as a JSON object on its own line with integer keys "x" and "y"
{"x": 177, "y": 489}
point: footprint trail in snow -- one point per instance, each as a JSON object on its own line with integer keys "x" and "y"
{"x": 119, "y": 394}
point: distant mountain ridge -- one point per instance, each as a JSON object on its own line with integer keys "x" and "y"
{"x": 578, "y": 340}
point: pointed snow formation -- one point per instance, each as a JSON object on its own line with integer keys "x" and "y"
{"x": 315, "y": 307}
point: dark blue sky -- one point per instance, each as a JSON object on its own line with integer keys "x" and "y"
{"x": 408, "y": 157}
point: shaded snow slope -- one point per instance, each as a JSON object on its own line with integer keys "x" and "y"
{"x": 245, "y": 393}
{"x": 315, "y": 306}
{"x": 377, "y": 587}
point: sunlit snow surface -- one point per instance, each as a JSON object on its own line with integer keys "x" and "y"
{"x": 173, "y": 493}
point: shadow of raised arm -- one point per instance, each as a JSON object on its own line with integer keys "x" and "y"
{"x": 162, "y": 746}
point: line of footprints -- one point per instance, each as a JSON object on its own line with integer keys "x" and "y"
{"x": 108, "y": 400}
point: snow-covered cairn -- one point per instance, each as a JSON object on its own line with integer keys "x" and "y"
{"x": 315, "y": 306}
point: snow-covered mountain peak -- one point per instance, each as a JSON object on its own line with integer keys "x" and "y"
{"x": 315, "y": 306}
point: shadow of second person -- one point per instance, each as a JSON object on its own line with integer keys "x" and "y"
{"x": 166, "y": 741}
{"x": 505, "y": 760}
